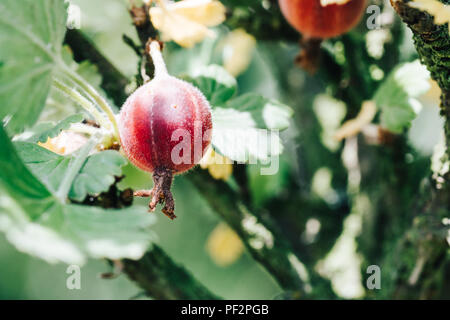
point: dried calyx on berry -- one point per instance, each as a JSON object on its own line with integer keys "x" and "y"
{"x": 165, "y": 128}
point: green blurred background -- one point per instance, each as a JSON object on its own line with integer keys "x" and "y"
{"x": 24, "y": 277}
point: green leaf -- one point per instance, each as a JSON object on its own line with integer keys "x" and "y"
{"x": 16, "y": 180}
{"x": 96, "y": 174}
{"x": 215, "y": 83}
{"x": 72, "y": 233}
{"x": 246, "y": 129}
{"x": 49, "y": 167}
{"x": 396, "y": 113}
{"x": 396, "y": 96}
{"x": 241, "y": 125}
{"x": 112, "y": 234}
{"x": 45, "y": 130}
{"x": 74, "y": 166}
{"x": 58, "y": 105}
{"x": 37, "y": 223}
{"x": 33, "y": 31}
{"x": 32, "y": 237}
{"x": 265, "y": 113}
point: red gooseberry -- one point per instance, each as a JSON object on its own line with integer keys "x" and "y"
{"x": 165, "y": 128}
{"x": 313, "y": 20}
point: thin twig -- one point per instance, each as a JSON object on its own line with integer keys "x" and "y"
{"x": 83, "y": 49}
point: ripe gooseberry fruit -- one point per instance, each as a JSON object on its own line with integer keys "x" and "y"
{"x": 313, "y": 20}
{"x": 316, "y": 22}
{"x": 151, "y": 123}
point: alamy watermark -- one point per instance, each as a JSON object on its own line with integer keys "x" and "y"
{"x": 73, "y": 281}
{"x": 374, "y": 280}
{"x": 374, "y": 20}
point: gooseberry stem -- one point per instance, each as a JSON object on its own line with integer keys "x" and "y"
{"x": 158, "y": 61}
{"x": 82, "y": 101}
{"x": 97, "y": 98}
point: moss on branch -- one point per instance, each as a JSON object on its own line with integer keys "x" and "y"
{"x": 416, "y": 262}
{"x": 433, "y": 45}
{"x": 161, "y": 278}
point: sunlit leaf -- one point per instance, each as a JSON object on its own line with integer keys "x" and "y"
{"x": 246, "y": 128}
{"x": 45, "y": 130}
{"x": 396, "y": 97}
{"x": 265, "y": 113}
{"x": 33, "y": 238}
{"x": 33, "y": 31}
{"x": 215, "y": 83}
{"x": 113, "y": 234}
{"x": 17, "y": 181}
{"x": 95, "y": 176}
{"x": 36, "y": 222}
